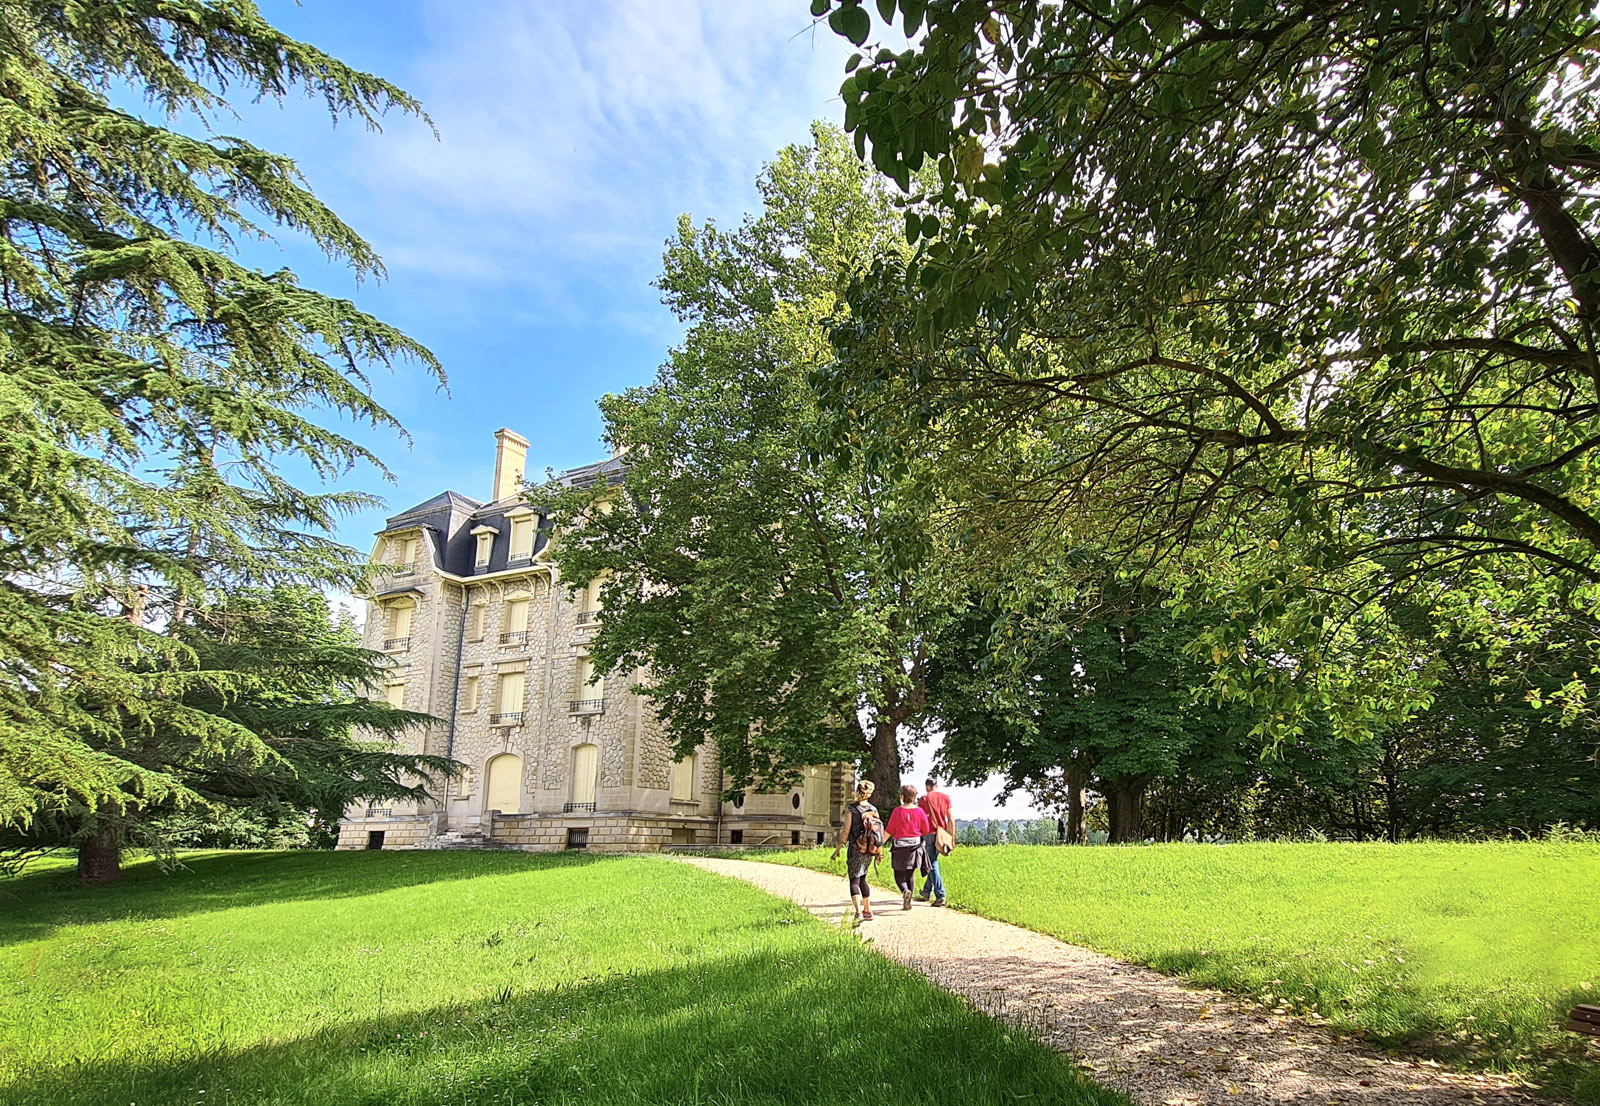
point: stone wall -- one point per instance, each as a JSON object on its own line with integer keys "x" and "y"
{"x": 399, "y": 832}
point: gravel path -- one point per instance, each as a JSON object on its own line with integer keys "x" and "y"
{"x": 1143, "y": 1033}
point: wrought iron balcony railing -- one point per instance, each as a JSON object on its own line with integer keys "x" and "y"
{"x": 519, "y": 558}
{"x": 588, "y": 618}
{"x": 405, "y": 569}
{"x": 568, "y": 808}
{"x": 586, "y": 706}
{"x": 513, "y": 637}
{"x": 506, "y": 718}
{"x": 395, "y": 644}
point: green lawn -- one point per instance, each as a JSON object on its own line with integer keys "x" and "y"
{"x": 1469, "y": 952}
{"x": 483, "y": 979}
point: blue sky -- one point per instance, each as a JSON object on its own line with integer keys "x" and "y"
{"x": 520, "y": 241}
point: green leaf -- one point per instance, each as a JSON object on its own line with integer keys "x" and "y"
{"x": 913, "y": 227}
{"x": 853, "y": 23}
{"x": 819, "y": 8}
{"x": 913, "y": 11}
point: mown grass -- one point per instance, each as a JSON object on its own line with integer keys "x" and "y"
{"x": 1470, "y": 953}
{"x": 482, "y": 979}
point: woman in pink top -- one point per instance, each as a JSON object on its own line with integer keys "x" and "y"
{"x": 907, "y": 826}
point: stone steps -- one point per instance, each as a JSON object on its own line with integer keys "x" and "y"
{"x": 460, "y": 841}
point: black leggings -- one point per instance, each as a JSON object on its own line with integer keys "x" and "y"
{"x": 905, "y": 878}
{"x": 858, "y": 886}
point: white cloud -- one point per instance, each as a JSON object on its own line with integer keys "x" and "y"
{"x": 572, "y": 134}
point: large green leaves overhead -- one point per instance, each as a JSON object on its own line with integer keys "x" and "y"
{"x": 1306, "y": 290}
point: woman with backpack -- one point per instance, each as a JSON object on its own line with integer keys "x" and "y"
{"x": 908, "y": 825}
{"x": 861, "y": 834}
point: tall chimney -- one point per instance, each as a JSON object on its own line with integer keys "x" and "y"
{"x": 510, "y": 457}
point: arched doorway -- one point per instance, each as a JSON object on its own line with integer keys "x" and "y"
{"x": 502, "y": 789}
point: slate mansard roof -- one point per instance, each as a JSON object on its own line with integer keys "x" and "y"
{"x": 448, "y": 519}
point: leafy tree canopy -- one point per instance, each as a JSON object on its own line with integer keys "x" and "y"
{"x": 1308, "y": 292}
{"x": 747, "y": 580}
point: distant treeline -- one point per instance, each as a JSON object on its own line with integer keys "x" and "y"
{"x": 1017, "y": 831}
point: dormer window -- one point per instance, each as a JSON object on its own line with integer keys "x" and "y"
{"x": 521, "y": 537}
{"x": 405, "y": 560}
{"x": 485, "y": 536}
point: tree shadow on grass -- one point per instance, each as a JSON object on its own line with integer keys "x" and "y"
{"x": 816, "y": 1019}
{"x": 35, "y": 903}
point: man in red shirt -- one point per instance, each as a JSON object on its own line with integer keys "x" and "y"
{"x": 936, "y": 804}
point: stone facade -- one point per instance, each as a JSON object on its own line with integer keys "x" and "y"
{"x": 482, "y": 633}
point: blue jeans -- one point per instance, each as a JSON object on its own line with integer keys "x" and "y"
{"x": 932, "y": 885}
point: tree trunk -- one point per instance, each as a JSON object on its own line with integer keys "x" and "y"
{"x": 1391, "y": 788}
{"x": 1125, "y": 812}
{"x": 884, "y": 771}
{"x": 1075, "y": 832}
{"x": 100, "y": 857}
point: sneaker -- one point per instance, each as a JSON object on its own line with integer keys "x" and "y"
{"x": 938, "y": 902}
{"x": 906, "y": 898}
{"x": 923, "y": 897}
{"x": 866, "y": 915}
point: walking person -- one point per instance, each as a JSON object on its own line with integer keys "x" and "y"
{"x": 861, "y": 835}
{"x": 941, "y": 838}
{"x": 908, "y": 825}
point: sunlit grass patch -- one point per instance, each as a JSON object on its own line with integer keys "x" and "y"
{"x": 482, "y": 978}
{"x": 1468, "y": 952}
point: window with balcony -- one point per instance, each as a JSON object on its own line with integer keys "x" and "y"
{"x": 508, "y": 710}
{"x": 405, "y": 557}
{"x": 516, "y": 623}
{"x": 521, "y": 540}
{"x": 585, "y": 776}
{"x": 590, "y": 690}
{"x": 589, "y": 603}
{"x": 399, "y": 628}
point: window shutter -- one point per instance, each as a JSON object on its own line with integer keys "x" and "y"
{"x": 511, "y": 685}
{"x": 402, "y": 621}
{"x": 683, "y": 779}
{"x": 585, "y": 768}
{"x": 394, "y": 694}
{"x": 517, "y": 615}
{"x": 521, "y": 538}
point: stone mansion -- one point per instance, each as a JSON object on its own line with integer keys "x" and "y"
{"x": 481, "y": 633}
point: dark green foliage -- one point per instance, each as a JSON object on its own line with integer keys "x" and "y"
{"x": 151, "y": 388}
{"x": 1296, "y": 303}
{"x": 272, "y": 665}
{"x": 1099, "y": 696}
{"x": 747, "y": 579}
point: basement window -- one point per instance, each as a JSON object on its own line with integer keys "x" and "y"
{"x": 736, "y": 837}
{"x": 375, "y": 839}
{"x": 577, "y": 838}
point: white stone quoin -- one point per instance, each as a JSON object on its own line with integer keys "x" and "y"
{"x": 481, "y": 633}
